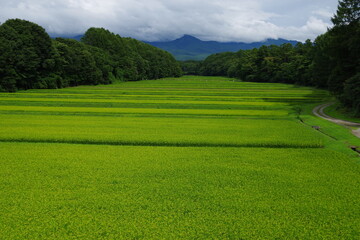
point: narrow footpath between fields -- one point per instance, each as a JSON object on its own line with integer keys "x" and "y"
{"x": 319, "y": 111}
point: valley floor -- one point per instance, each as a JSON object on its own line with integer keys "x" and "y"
{"x": 194, "y": 157}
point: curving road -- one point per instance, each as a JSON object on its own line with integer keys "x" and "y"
{"x": 319, "y": 111}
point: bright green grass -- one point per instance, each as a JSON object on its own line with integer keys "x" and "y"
{"x": 159, "y": 131}
{"x": 62, "y": 191}
{"x": 188, "y": 158}
{"x": 144, "y": 111}
{"x": 171, "y": 97}
{"x": 336, "y": 137}
{"x": 91, "y": 100}
{"x": 337, "y": 112}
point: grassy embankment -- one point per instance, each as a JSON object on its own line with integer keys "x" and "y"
{"x": 337, "y": 111}
{"x": 175, "y": 158}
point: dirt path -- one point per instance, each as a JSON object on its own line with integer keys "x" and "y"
{"x": 319, "y": 111}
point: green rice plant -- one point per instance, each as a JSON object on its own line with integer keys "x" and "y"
{"x": 65, "y": 191}
{"x": 160, "y": 130}
{"x": 144, "y": 111}
{"x": 91, "y": 100}
{"x": 187, "y": 158}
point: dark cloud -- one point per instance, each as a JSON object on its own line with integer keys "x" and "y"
{"x": 222, "y": 20}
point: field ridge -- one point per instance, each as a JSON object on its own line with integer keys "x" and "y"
{"x": 163, "y": 144}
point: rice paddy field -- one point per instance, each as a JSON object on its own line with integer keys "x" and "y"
{"x": 186, "y": 158}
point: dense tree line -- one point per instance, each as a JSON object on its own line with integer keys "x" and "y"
{"x": 285, "y": 63}
{"x": 29, "y": 58}
{"x": 332, "y": 61}
{"x": 190, "y": 67}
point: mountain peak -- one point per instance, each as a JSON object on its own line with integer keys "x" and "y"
{"x": 188, "y": 38}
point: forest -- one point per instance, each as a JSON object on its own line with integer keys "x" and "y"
{"x": 31, "y": 59}
{"x": 331, "y": 62}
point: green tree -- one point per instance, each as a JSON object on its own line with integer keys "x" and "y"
{"x": 78, "y": 65}
{"x": 8, "y": 73}
{"x": 30, "y": 52}
{"x": 348, "y": 12}
{"x": 133, "y": 60}
{"x": 352, "y": 94}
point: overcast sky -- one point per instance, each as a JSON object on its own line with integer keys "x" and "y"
{"x": 158, "y": 20}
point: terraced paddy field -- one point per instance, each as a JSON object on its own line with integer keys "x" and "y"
{"x": 187, "y": 158}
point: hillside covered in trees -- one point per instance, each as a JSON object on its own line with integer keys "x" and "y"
{"x": 331, "y": 62}
{"x": 31, "y": 59}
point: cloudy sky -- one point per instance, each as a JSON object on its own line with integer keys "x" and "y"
{"x": 159, "y": 20}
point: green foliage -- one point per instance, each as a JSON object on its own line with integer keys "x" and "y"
{"x": 25, "y": 51}
{"x": 336, "y": 110}
{"x": 321, "y": 66}
{"x": 8, "y": 75}
{"x": 80, "y": 66}
{"x": 352, "y": 93}
{"x": 30, "y": 59}
{"x": 190, "y": 67}
{"x": 341, "y": 54}
{"x": 285, "y": 64}
{"x": 348, "y": 12}
{"x": 217, "y": 64}
{"x": 132, "y": 60}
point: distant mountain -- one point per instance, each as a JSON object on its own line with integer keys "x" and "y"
{"x": 192, "y": 48}
{"x": 77, "y": 37}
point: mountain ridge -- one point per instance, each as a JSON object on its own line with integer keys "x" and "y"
{"x": 191, "y": 48}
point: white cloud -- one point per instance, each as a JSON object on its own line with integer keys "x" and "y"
{"x": 324, "y": 13}
{"x": 313, "y": 27}
{"x": 222, "y": 20}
